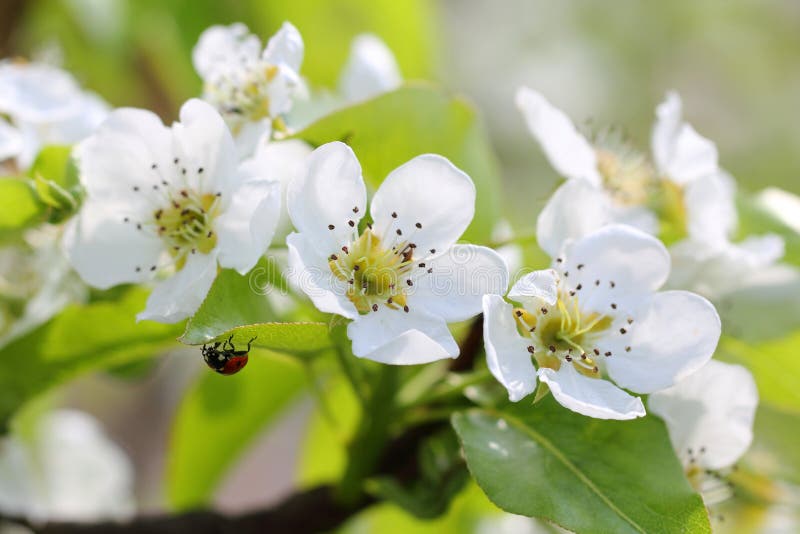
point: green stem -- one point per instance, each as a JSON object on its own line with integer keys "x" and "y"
{"x": 346, "y": 360}
{"x": 455, "y": 385}
{"x": 371, "y": 436}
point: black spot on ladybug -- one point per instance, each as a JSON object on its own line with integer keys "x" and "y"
{"x": 223, "y": 357}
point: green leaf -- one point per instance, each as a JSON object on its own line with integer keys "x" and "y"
{"x": 328, "y": 27}
{"x": 21, "y": 207}
{"x": 755, "y": 219}
{"x": 774, "y": 452}
{"x": 423, "y": 120}
{"x": 218, "y": 419}
{"x": 586, "y": 475}
{"x": 775, "y": 367}
{"x": 82, "y": 339}
{"x": 236, "y": 306}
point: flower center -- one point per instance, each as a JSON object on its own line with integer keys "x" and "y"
{"x": 627, "y": 173}
{"x": 186, "y": 225}
{"x": 668, "y": 203}
{"x": 564, "y": 333}
{"x": 243, "y": 95}
{"x": 376, "y": 274}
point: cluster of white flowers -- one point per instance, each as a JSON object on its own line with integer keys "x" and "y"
{"x": 175, "y": 204}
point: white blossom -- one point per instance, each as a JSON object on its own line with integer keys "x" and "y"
{"x": 371, "y": 69}
{"x": 595, "y": 323}
{"x": 67, "y": 471}
{"x": 45, "y": 106}
{"x": 250, "y": 87}
{"x": 709, "y": 416}
{"x": 400, "y": 278}
{"x": 171, "y": 203}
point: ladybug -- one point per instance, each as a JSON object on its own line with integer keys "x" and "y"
{"x": 227, "y": 361}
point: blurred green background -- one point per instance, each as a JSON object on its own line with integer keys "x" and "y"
{"x": 736, "y": 64}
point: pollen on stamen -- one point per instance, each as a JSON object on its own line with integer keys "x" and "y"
{"x": 568, "y": 358}
{"x": 418, "y": 225}
{"x": 421, "y": 265}
{"x": 351, "y": 223}
{"x": 623, "y": 331}
{"x": 356, "y": 267}
{"x": 580, "y": 266}
{"x": 346, "y": 250}
{"x": 612, "y": 284}
{"x": 552, "y": 348}
{"x": 405, "y": 309}
{"x": 519, "y": 313}
{"x": 544, "y": 311}
{"x": 613, "y": 306}
{"x": 355, "y": 209}
{"x": 531, "y": 349}
{"x": 433, "y": 251}
{"x": 374, "y": 307}
{"x": 399, "y": 231}
{"x": 200, "y": 170}
{"x": 608, "y": 353}
{"x": 331, "y": 227}
{"x": 627, "y": 349}
{"x": 409, "y": 282}
{"x": 394, "y": 215}
{"x": 596, "y": 352}
{"x": 579, "y": 287}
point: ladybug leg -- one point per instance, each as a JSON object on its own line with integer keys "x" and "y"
{"x": 249, "y": 342}
{"x": 228, "y": 342}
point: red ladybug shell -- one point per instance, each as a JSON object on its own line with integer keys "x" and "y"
{"x": 233, "y": 365}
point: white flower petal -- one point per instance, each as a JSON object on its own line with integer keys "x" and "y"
{"x": 507, "y": 353}
{"x": 202, "y": 141}
{"x": 593, "y": 397}
{"x": 711, "y": 413}
{"x": 105, "y": 251}
{"x": 460, "y": 279}
{"x": 710, "y": 203}
{"x": 250, "y": 135}
{"x": 10, "y": 141}
{"x": 285, "y": 47}
{"x": 674, "y": 334}
{"x": 221, "y": 46}
{"x": 281, "y": 161}
{"x": 371, "y": 69}
{"x": 575, "y": 210}
{"x": 245, "y": 230}
{"x": 639, "y": 217}
{"x": 37, "y": 93}
{"x": 120, "y": 155}
{"x": 783, "y": 205}
{"x": 399, "y": 338}
{"x": 536, "y": 287}
{"x": 180, "y": 295}
{"x": 614, "y": 263}
{"x": 428, "y": 191}
{"x": 680, "y": 153}
{"x": 310, "y": 273}
{"x": 330, "y": 192}
{"x": 568, "y": 151}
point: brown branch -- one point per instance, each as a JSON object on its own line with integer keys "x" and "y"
{"x": 314, "y": 510}
{"x": 470, "y": 347}
{"x": 13, "y": 12}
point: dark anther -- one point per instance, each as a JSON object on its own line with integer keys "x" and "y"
{"x": 405, "y": 309}
{"x": 356, "y": 267}
{"x": 630, "y": 321}
{"x": 544, "y": 311}
{"x": 399, "y": 231}
{"x": 333, "y": 257}
{"x": 622, "y": 331}
{"x": 135, "y": 187}
{"x": 183, "y": 170}
{"x": 530, "y": 349}
{"x": 184, "y": 194}
{"x": 355, "y": 209}
{"x": 568, "y": 358}
{"x": 331, "y": 227}
{"x": 200, "y": 170}
{"x": 608, "y": 353}
{"x": 519, "y": 313}
{"x": 532, "y": 329}
{"x": 597, "y": 282}
{"x": 580, "y": 266}
{"x": 571, "y": 293}
{"x": 613, "y": 306}
{"x": 175, "y": 161}
{"x": 627, "y": 349}
{"x": 374, "y": 307}
{"x": 612, "y": 284}
{"x": 394, "y": 215}
{"x": 583, "y": 356}
{"x": 126, "y": 219}
{"x": 559, "y": 260}
{"x": 430, "y": 270}
{"x": 152, "y": 267}
{"x": 566, "y": 274}
{"x": 596, "y": 352}
{"x": 433, "y": 251}
{"x": 351, "y": 223}
{"x": 346, "y": 250}
{"x": 409, "y": 282}
{"x": 552, "y": 348}
{"x": 138, "y": 269}
{"x": 579, "y": 287}
{"x": 418, "y": 225}
{"x": 153, "y": 166}
{"x": 138, "y": 226}
{"x": 389, "y": 300}
{"x": 421, "y": 265}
